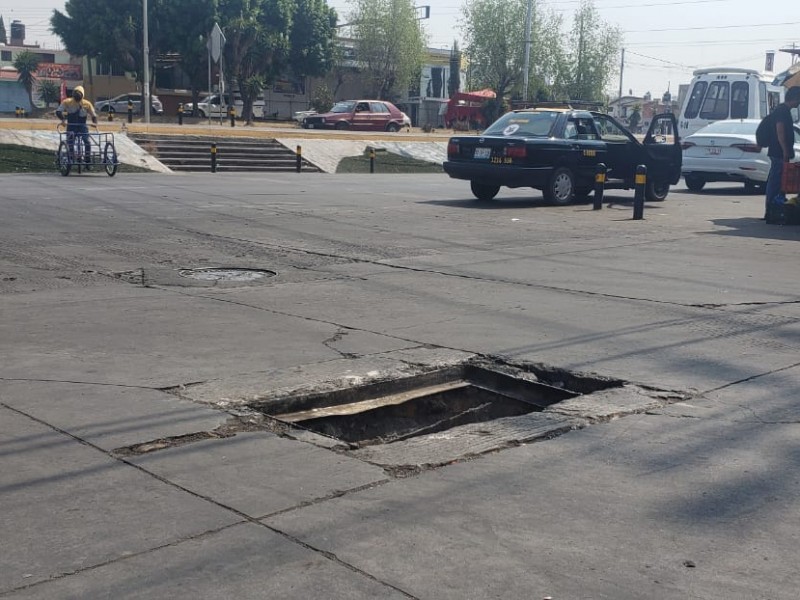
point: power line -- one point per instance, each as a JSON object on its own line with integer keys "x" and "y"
{"x": 711, "y": 27}
{"x": 666, "y": 62}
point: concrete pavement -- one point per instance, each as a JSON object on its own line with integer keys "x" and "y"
{"x": 134, "y": 464}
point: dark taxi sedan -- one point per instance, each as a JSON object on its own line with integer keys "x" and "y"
{"x": 557, "y": 151}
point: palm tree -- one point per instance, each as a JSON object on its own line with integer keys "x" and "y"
{"x": 49, "y": 92}
{"x": 27, "y": 63}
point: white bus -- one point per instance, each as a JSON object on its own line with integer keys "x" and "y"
{"x": 727, "y": 93}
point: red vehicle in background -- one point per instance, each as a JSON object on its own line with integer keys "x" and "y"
{"x": 464, "y": 110}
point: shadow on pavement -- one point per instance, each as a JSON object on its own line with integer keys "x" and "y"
{"x": 755, "y": 228}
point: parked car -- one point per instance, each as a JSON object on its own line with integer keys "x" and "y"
{"x": 557, "y": 150}
{"x": 302, "y": 114}
{"x": 119, "y": 104}
{"x": 373, "y": 115}
{"x": 727, "y": 151}
{"x": 211, "y": 106}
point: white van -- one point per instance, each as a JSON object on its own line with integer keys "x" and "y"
{"x": 727, "y": 93}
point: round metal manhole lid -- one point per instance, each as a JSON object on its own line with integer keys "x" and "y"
{"x": 221, "y": 274}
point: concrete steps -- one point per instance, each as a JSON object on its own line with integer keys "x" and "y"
{"x": 193, "y": 153}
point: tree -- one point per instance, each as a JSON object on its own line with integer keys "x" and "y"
{"x": 27, "y": 63}
{"x": 313, "y": 38}
{"x": 494, "y": 31}
{"x": 635, "y": 118}
{"x": 389, "y": 44}
{"x": 3, "y": 37}
{"x": 594, "y": 47}
{"x": 454, "y": 82}
{"x": 189, "y": 37}
{"x": 49, "y": 92}
{"x": 322, "y": 99}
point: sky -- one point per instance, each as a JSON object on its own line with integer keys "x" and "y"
{"x": 664, "y": 40}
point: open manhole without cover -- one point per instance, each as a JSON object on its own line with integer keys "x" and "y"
{"x": 406, "y": 408}
{"x": 236, "y": 275}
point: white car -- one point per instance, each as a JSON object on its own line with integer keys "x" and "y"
{"x": 210, "y": 106}
{"x": 119, "y": 104}
{"x": 302, "y": 114}
{"x": 727, "y": 151}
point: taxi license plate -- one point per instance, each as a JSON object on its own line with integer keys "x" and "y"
{"x": 483, "y": 153}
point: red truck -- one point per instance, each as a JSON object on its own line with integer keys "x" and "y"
{"x": 464, "y": 110}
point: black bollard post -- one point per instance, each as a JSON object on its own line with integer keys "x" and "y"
{"x": 599, "y": 186}
{"x": 372, "y": 160}
{"x": 232, "y": 115}
{"x": 638, "y": 197}
{"x": 16, "y": 112}
{"x": 213, "y": 158}
{"x": 130, "y": 111}
{"x": 299, "y": 154}
{"x": 180, "y": 113}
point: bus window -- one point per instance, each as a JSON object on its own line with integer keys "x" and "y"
{"x": 740, "y": 97}
{"x": 715, "y": 106}
{"x": 695, "y": 100}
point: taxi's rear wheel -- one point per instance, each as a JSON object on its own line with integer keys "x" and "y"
{"x": 560, "y": 188}
{"x": 484, "y": 191}
{"x": 392, "y": 128}
{"x": 656, "y": 191}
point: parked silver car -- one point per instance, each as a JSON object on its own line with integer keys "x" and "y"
{"x": 119, "y": 104}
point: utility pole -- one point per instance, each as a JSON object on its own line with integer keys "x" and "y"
{"x": 528, "y": 42}
{"x": 146, "y": 44}
{"x": 621, "y": 69}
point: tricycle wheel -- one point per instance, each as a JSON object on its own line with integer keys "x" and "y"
{"x": 62, "y": 159}
{"x": 110, "y": 159}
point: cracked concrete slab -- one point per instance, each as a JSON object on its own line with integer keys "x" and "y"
{"x": 244, "y": 561}
{"x": 259, "y": 473}
{"x": 67, "y": 506}
{"x": 109, "y": 416}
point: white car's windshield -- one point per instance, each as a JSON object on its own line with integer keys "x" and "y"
{"x": 531, "y": 124}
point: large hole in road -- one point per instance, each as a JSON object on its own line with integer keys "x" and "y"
{"x": 407, "y": 407}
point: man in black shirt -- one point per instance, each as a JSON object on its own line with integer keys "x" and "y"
{"x": 781, "y": 147}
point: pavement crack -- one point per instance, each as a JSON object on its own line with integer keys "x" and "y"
{"x": 733, "y": 304}
{"x": 337, "y": 337}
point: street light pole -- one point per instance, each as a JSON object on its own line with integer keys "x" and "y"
{"x": 146, "y": 44}
{"x": 528, "y": 41}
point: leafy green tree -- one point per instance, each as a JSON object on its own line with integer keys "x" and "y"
{"x": 313, "y": 38}
{"x": 389, "y": 44}
{"x": 494, "y": 32}
{"x": 3, "y": 37}
{"x": 594, "y": 48}
{"x": 188, "y": 37}
{"x": 27, "y": 63}
{"x": 454, "y": 82}
{"x": 635, "y": 118}
{"x": 322, "y": 100}
{"x": 49, "y": 92}
{"x": 110, "y": 31}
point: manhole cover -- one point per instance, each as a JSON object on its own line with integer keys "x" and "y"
{"x": 406, "y": 408}
{"x": 217, "y": 274}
